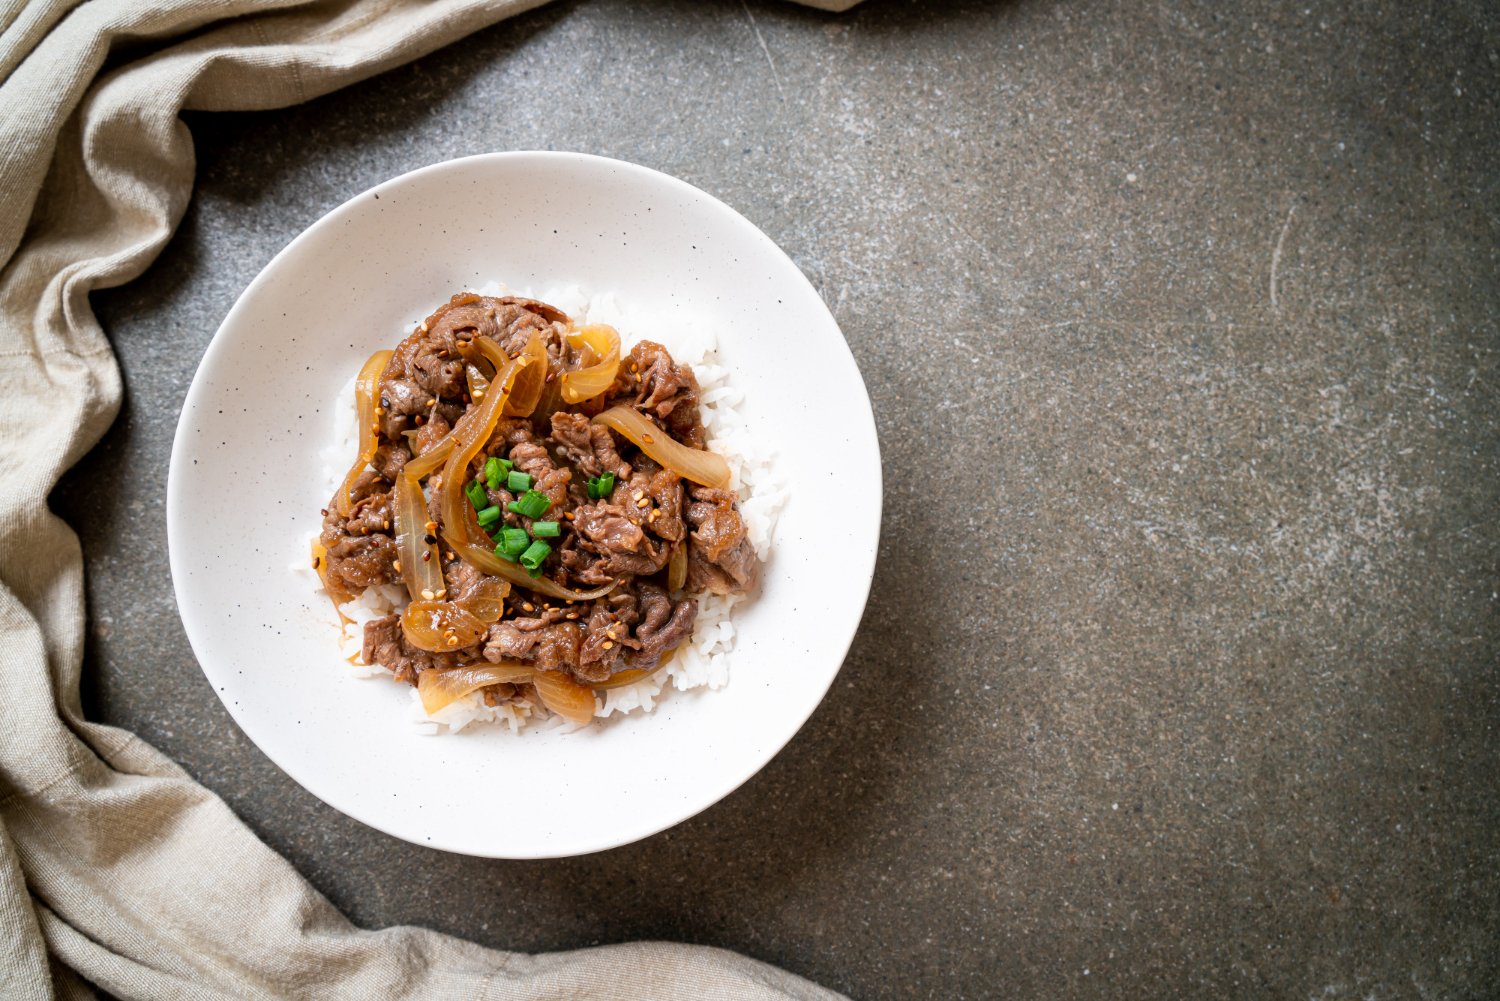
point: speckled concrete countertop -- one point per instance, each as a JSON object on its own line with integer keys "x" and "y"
{"x": 1179, "y": 675}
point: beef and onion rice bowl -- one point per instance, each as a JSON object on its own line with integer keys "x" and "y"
{"x": 538, "y": 521}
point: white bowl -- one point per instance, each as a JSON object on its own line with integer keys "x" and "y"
{"x": 246, "y": 484}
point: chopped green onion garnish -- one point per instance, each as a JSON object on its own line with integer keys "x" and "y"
{"x": 496, "y": 470}
{"x": 475, "y": 492}
{"x": 535, "y": 553}
{"x": 513, "y": 541}
{"x": 545, "y": 529}
{"x": 489, "y": 516}
{"x": 532, "y": 504}
{"x": 518, "y": 481}
{"x": 601, "y": 486}
{"x": 507, "y": 557}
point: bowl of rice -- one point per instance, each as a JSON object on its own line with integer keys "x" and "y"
{"x": 269, "y": 424}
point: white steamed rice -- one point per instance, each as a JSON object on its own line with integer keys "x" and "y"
{"x": 703, "y": 661}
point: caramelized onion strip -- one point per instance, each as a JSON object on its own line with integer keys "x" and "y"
{"x": 690, "y": 463}
{"x": 564, "y": 696}
{"x": 440, "y": 626}
{"x": 420, "y": 568}
{"x": 439, "y": 687}
{"x": 531, "y": 380}
{"x": 587, "y": 383}
{"x": 366, "y": 392}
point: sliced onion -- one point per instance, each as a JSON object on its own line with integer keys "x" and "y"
{"x": 420, "y": 568}
{"x": 486, "y": 602}
{"x": 468, "y": 438}
{"x": 431, "y": 459}
{"x": 690, "y": 463}
{"x": 477, "y": 382}
{"x": 440, "y": 626}
{"x": 527, "y": 391}
{"x": 366, "y": 391}
{"x": 564, "y": 696}
{"x": 438, "y": 686}
{"x": 677, "y": 567}
{"x": 587, "y": 383}
{"x": 486, "y": 560}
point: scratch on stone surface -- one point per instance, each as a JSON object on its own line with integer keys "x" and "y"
{"x": 1276, "y": 254}
{"x": 764, "y": 48}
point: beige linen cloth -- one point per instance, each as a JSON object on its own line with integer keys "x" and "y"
{"x": 117, "y": 871}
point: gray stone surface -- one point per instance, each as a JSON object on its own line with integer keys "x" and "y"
{"x": 1180, "y": 322}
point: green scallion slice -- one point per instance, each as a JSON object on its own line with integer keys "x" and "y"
{"x": 513, "y": 541}
{"x": 535, "y": 553}
{"x": 601, "y": 487}
{"x": 489, "y": 516}
{"x": 532, "y": 504}
{"x": 518, "y": 481}
{"x": 476, "y": 495}
{"x": 545, "y": 529}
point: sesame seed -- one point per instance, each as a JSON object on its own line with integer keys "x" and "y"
{"x": 643, "y": 502}
{"x": 427, "y": 593}
{"x": 529, "y": 607}
{"x": 396, "y": 565}
{"x": 639, "y": 494}
{"x": 317, "y": 562}
{"x": 427, "y": 556}
{"x": 607, "y": 644}
{"x": 645, "y": 438}
{"x": 430, "y": 527}
{"x": 453, "y": 641}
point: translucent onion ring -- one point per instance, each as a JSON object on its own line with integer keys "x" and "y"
{"x": 439, "y": 687}
{"x": 564, "y": 696}
{"x": 690, "y": 463}
{"x": 421, "y": 568}
{"x": 587, "y": 383}
{"x": 366, "y": 391}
